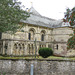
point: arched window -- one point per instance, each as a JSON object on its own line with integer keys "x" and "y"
{"x": 42, "y": 35}
{"x": 31, "y": 34}
{"x": 57, "y": 47}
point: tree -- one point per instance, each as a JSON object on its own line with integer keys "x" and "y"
{"x": 71, "y": 41}
{"x": 70, "y": 16}
{"x": 11, "y": 15}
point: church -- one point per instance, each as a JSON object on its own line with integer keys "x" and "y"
{"x": 38, "y": 31}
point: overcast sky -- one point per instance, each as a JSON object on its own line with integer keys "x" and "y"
{"x": 50, "y": 8}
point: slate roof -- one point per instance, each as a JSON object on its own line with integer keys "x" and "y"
{"x": 38, "y": 20}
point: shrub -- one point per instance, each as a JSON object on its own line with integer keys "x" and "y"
{"x": 45, "y": 52}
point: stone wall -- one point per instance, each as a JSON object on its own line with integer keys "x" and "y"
{"x": 61, "y": 36}
{"x": 55, "y": 38}
{"x": 24, "y": 35}
{"x": 41, "y": 67}
{"x": 21, "y": 44}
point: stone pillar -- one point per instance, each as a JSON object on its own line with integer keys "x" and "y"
{"x": 3, "y": 47}
{"x": 37, "y": 48}
{"x": 26, "y": 50}
{"x": 11, "y": 45}
{"x": 46, "y": 44}
{"x": 38, "y": 34}
{"x": 9, "y": 48}
{"x": 46, "y": 37}
{"x": 18, "y": 51}
{"x": 26, "y": 35}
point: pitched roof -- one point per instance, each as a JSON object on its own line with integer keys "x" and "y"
{"x": 33, "y": 11}
{"x": 38, "y": 20}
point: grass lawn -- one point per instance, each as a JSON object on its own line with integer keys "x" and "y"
{"x": 30, "y": 57}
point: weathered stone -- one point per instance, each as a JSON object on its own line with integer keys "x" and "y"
{"x": 20, "y": 66}
{"x": 43, "y": 67}
{"x": 1, "y": 62}
{"x": 6, "y": 66}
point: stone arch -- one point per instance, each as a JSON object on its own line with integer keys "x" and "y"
{"x": 43, "y": 31}
{"x": 15, "y": 46}
{"x": 32, "y": 29}
{"x": 20, "y": 47}
{"x": 23, "y": 46}
{"x": 40, "y": 46}
{"x": 30, "y": 49}
{"x": 31, "y": 34}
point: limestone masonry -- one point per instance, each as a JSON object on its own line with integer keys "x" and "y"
{"x": 47, "y": 32}
{"x": 41, "y": 67}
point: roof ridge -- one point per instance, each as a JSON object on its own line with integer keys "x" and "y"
{"x": 32, "y": 10}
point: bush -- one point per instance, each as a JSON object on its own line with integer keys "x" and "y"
{"x": 45, "y": 52}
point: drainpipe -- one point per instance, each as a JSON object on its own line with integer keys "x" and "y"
{"x": 31, "y": 70}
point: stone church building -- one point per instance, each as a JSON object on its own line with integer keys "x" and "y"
{"x": 40, "y": 31}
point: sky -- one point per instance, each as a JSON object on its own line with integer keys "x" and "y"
{"x": 49, "y": 8}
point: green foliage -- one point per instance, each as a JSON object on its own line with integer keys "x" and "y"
{"x": 70, "y": 16}
{"x": 45, "y": 52}
{"x": 71, "y": 42}
{"x": 11, "y": 14}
